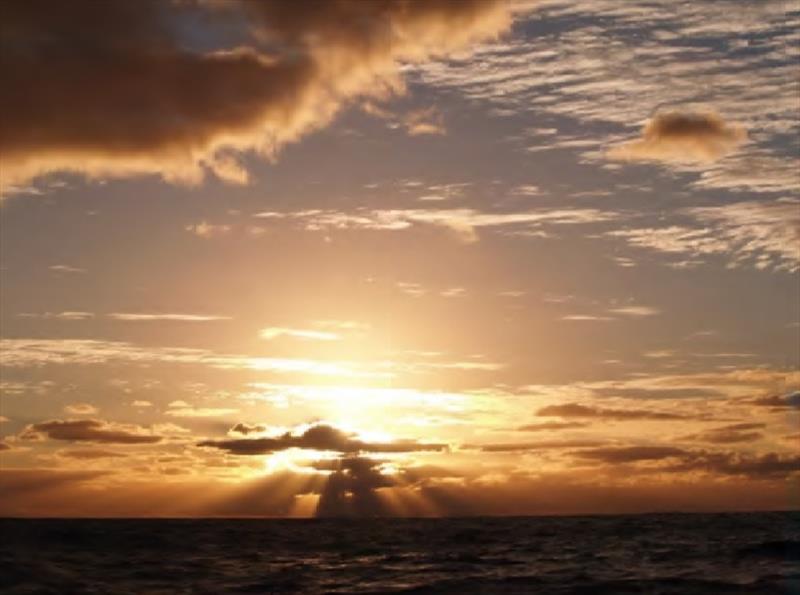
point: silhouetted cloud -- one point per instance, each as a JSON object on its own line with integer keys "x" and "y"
{"x": 117, "y": 88}
{"x": 769, "y": 465}
{"x": 584, "y": 411}
{"x": 743, "y": 432}
{"x": 245, "y": 429}
{"x": 790, "y": 401}
{"x": 89, "y": 430}
{"x": 631, "y": 454}
{"x": 317, "y": 437}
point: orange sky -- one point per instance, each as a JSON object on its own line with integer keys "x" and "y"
{"x": 398, "y": 258}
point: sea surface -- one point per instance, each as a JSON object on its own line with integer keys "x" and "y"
{"x": 658, "y": 553}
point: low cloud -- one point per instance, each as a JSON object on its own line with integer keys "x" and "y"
{"x": 586, "y": 412}
{"x": 683, "y": 137}
{"x": 317, "y": 437}
{"x": 424, "y": 121}
{"x": 89, "y": 430}
{"x": 766, "y": 466}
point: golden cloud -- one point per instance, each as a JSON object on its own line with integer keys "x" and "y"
{"x": 683, "y": 138}
{"x": 115, "y": 88}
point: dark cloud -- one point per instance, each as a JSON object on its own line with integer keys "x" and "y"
{"x": 317, "y": 437}
{"x": 766, "y": 466}
{"x": 89, "y": 430}
{"x": 678, "y": 460}
{"x": 682, "y": 137}
{"x": 119, "y": 88}
{"x": 4, "y": 446}
{"x": 245, "y": 429}
{"x": 552, "y": 425}
{"x": 731, "y": 434}
{"x": 583, "y": 411}
{"x": 789, "y": 401}
{"x": 536, "y": 445}
{"x": 658, "y": 393}
{"x": 630, "y": 454}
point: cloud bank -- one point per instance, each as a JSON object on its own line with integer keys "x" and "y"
{"x": 118, "y": 88}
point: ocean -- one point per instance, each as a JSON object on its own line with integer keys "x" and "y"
{"x": 657, "y": 553}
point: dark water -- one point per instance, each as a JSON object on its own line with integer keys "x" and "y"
{"x": 739, "y": 553}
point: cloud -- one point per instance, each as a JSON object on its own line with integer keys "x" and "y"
{"x": 535, "y": 445}
{"x": 630, "y": 454}
{"x": 273, "y": 332}
{"x": 64, "y": 268}
{"x": 789, "y": 401}
{"x": 583, "y": 411}
{"x": 130, "y": 317}
{"x": 89, "y": 430}
{"x": 140, "y": 403}
{"x": 678, "y": 460}
{"x": 316, "y": 437}
{"x": 761, "y": 234}
{"x": 463, "y": 223}
{"x": 81, "y": 409}
{"x": 636, "y": 311}
{"x": 245, "y": 429}
{"x": 424, "y": 121}
{"x": 136, "y": 94}
{"x": 552, "y": 425}
{"x": 184, "y": 409}
{"x": 90, "y": 453}
{"x": 682, "y": 137}
{"x": 39, "y": 352}
{"x": 58, "y": 315}
{"x": 730, "y": 434}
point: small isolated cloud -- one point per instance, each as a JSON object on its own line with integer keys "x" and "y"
{"x": 245, "y": 429}
{"x": 65, "y": 268}
{"x": 424, "y": 121}
{"x": 81, "y": 409}
{"x": 682, "y": 137}
{"x": 208, "y": 230}
{"x": 317, "y": 437}
{"x": 577, "y": 410}
{"x": 636, "y": 311}
{"x": 141, "y": 404}
{"x": 586, "y": 318}
{"x": 89, "y": 430}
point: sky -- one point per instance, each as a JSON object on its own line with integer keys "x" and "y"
{"x": 399, "y": 258}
